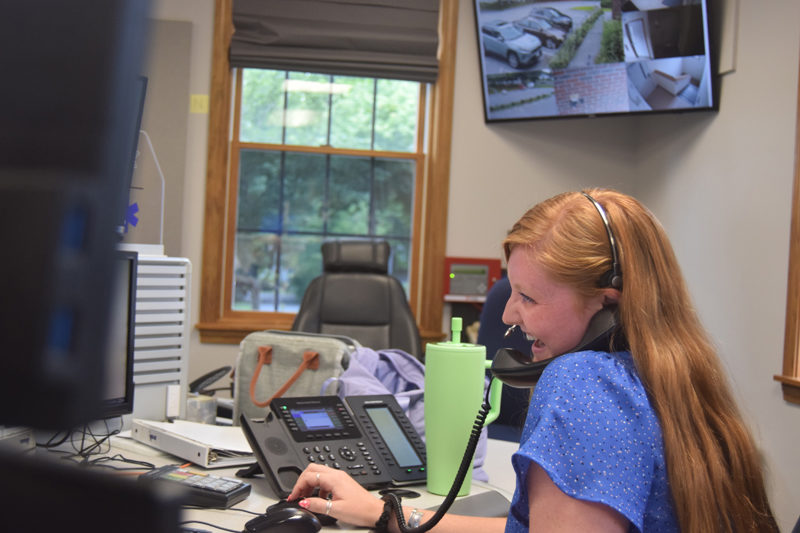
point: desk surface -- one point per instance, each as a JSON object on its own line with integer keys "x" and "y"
{"x": 497, "y": 465}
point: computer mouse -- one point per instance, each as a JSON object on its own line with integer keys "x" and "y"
{"x": 324, "y": 519}
{"x": 285, "y": 520}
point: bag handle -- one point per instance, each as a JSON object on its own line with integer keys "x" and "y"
{"x": 310, "y": 361}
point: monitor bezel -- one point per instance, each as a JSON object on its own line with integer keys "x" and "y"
{"x": 711, "y": 36}
{"x": 123, "y": 405}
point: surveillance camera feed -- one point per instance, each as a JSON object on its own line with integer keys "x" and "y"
{"x": 565, "y": 58}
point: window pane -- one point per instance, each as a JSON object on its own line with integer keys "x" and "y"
{"x": 259, "y": 190}
{"x": 301, "y": 261}
{"x": 396, "y": 115}
{"x": 308, "y": 100}
{"x": 304, "y": 192}
{"x": 255, "y": 262}
{"x": 351, "y": 113}
{"x": 290, "y": 202}
{"x": 349, "y": 203}
{"x": 262, "y": 106}
{"x": 393, "y": 197}
{"x": 400, "y": 260}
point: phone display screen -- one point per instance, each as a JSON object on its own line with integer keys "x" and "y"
{"x": 392, "y": 433}
{"x": 316, "y": 419}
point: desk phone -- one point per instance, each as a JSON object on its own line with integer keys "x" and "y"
{"x": 369, "y": 437}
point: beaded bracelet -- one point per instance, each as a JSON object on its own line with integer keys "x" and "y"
{"x": 382, "y": 525}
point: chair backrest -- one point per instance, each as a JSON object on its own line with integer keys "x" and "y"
{"x": 355, "y": 296}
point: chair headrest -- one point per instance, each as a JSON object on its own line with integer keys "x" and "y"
{"x": 355, "y": 256}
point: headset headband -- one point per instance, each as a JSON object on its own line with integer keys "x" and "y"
{"x": 612, "y": 278}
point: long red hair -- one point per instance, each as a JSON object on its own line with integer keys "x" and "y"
{"x": 714, "y": 468}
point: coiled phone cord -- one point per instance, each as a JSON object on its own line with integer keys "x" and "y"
{"x": 396, "y": 502}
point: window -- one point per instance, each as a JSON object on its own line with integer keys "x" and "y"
{"x": 291, "y": 158}
{"x": 790, "y": 374}
{"x": 318, "y": 156}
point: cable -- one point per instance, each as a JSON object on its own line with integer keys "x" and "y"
{"x": 207, "y": 524}
{"x": 89, "y": 447}
{"x": 122, "y": 459}
{"x": 163, "y": 181}
{"x": 95, "y": 443}
{"x": 202, "y": 507}
{"x": 50, "y": 442}
{"x": 466, "y": 462}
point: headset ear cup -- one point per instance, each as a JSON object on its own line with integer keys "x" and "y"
{"x": 611, "y": 279}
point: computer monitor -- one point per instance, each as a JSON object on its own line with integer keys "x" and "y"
{"x": 68, "y": 121}
{"x": 119, "y": 386}
{"x": 69, "y": 116}
{"x": 140, "y": 90}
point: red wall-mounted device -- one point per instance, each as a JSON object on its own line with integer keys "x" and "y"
{"x": 470, "y": 276}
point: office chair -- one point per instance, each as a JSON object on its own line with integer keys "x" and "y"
{"x": 355, "y": 296}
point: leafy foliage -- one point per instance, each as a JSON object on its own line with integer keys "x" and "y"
{"x": 611, "y": 44}
{"x": 571, "y": 44}
{"x": 290, "y": 200}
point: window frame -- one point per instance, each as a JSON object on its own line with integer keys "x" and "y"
{"x": 418, "y": 157}
{"x": 220, "y": 324}
{"x": 790, "y": 374}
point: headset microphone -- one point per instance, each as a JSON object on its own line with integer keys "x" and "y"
{"x": 517, "y": 369}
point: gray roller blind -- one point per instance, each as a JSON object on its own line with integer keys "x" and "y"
{"x": 395, "y": 39}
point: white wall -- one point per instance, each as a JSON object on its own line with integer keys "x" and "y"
{"x": 203, "y": 357}
{"x": 720, "y": 183}
{"x": 722, "y": 188}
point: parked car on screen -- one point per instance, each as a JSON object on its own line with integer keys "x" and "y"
{"x": 554, "y": 17}
{"x": 551, "y": 36}
{"x": 514, "y": 45}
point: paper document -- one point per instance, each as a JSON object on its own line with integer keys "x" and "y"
{"x": 206, "y": 445}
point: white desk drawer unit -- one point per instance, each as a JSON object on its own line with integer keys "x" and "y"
{"x": 161, "y": 337}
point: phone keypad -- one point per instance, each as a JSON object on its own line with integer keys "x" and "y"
{"x": 353, "y": 457}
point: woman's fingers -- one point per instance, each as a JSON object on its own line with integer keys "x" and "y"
{"x": 339, "y": 496}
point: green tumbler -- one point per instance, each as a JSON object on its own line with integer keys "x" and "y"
{"x": 454, "y": 389}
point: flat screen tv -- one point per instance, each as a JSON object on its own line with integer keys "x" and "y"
{"x": 565, "y": 58}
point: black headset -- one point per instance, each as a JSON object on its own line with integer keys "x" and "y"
{"x": 612, "y": 278}
{"x": 517, "y": 369}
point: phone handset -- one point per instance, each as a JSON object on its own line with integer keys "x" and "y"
{"x": 517, "y": 369}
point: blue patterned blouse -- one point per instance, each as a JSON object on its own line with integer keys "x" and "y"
{"x": 590, "y": 426}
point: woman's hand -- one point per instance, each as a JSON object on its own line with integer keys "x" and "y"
{"x": 340, "y": 496}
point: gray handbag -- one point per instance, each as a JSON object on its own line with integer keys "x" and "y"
{"x": 273, "y": 363}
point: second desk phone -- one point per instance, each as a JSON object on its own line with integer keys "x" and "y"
{"x": 368, "y": 437}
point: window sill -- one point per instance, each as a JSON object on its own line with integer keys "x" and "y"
{"x": 233, "y": 330}
{"x": 791, "y": 388}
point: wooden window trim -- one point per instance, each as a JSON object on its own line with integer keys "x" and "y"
{"x": 790, "y": 374}
{"x": 220, "y": 325}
